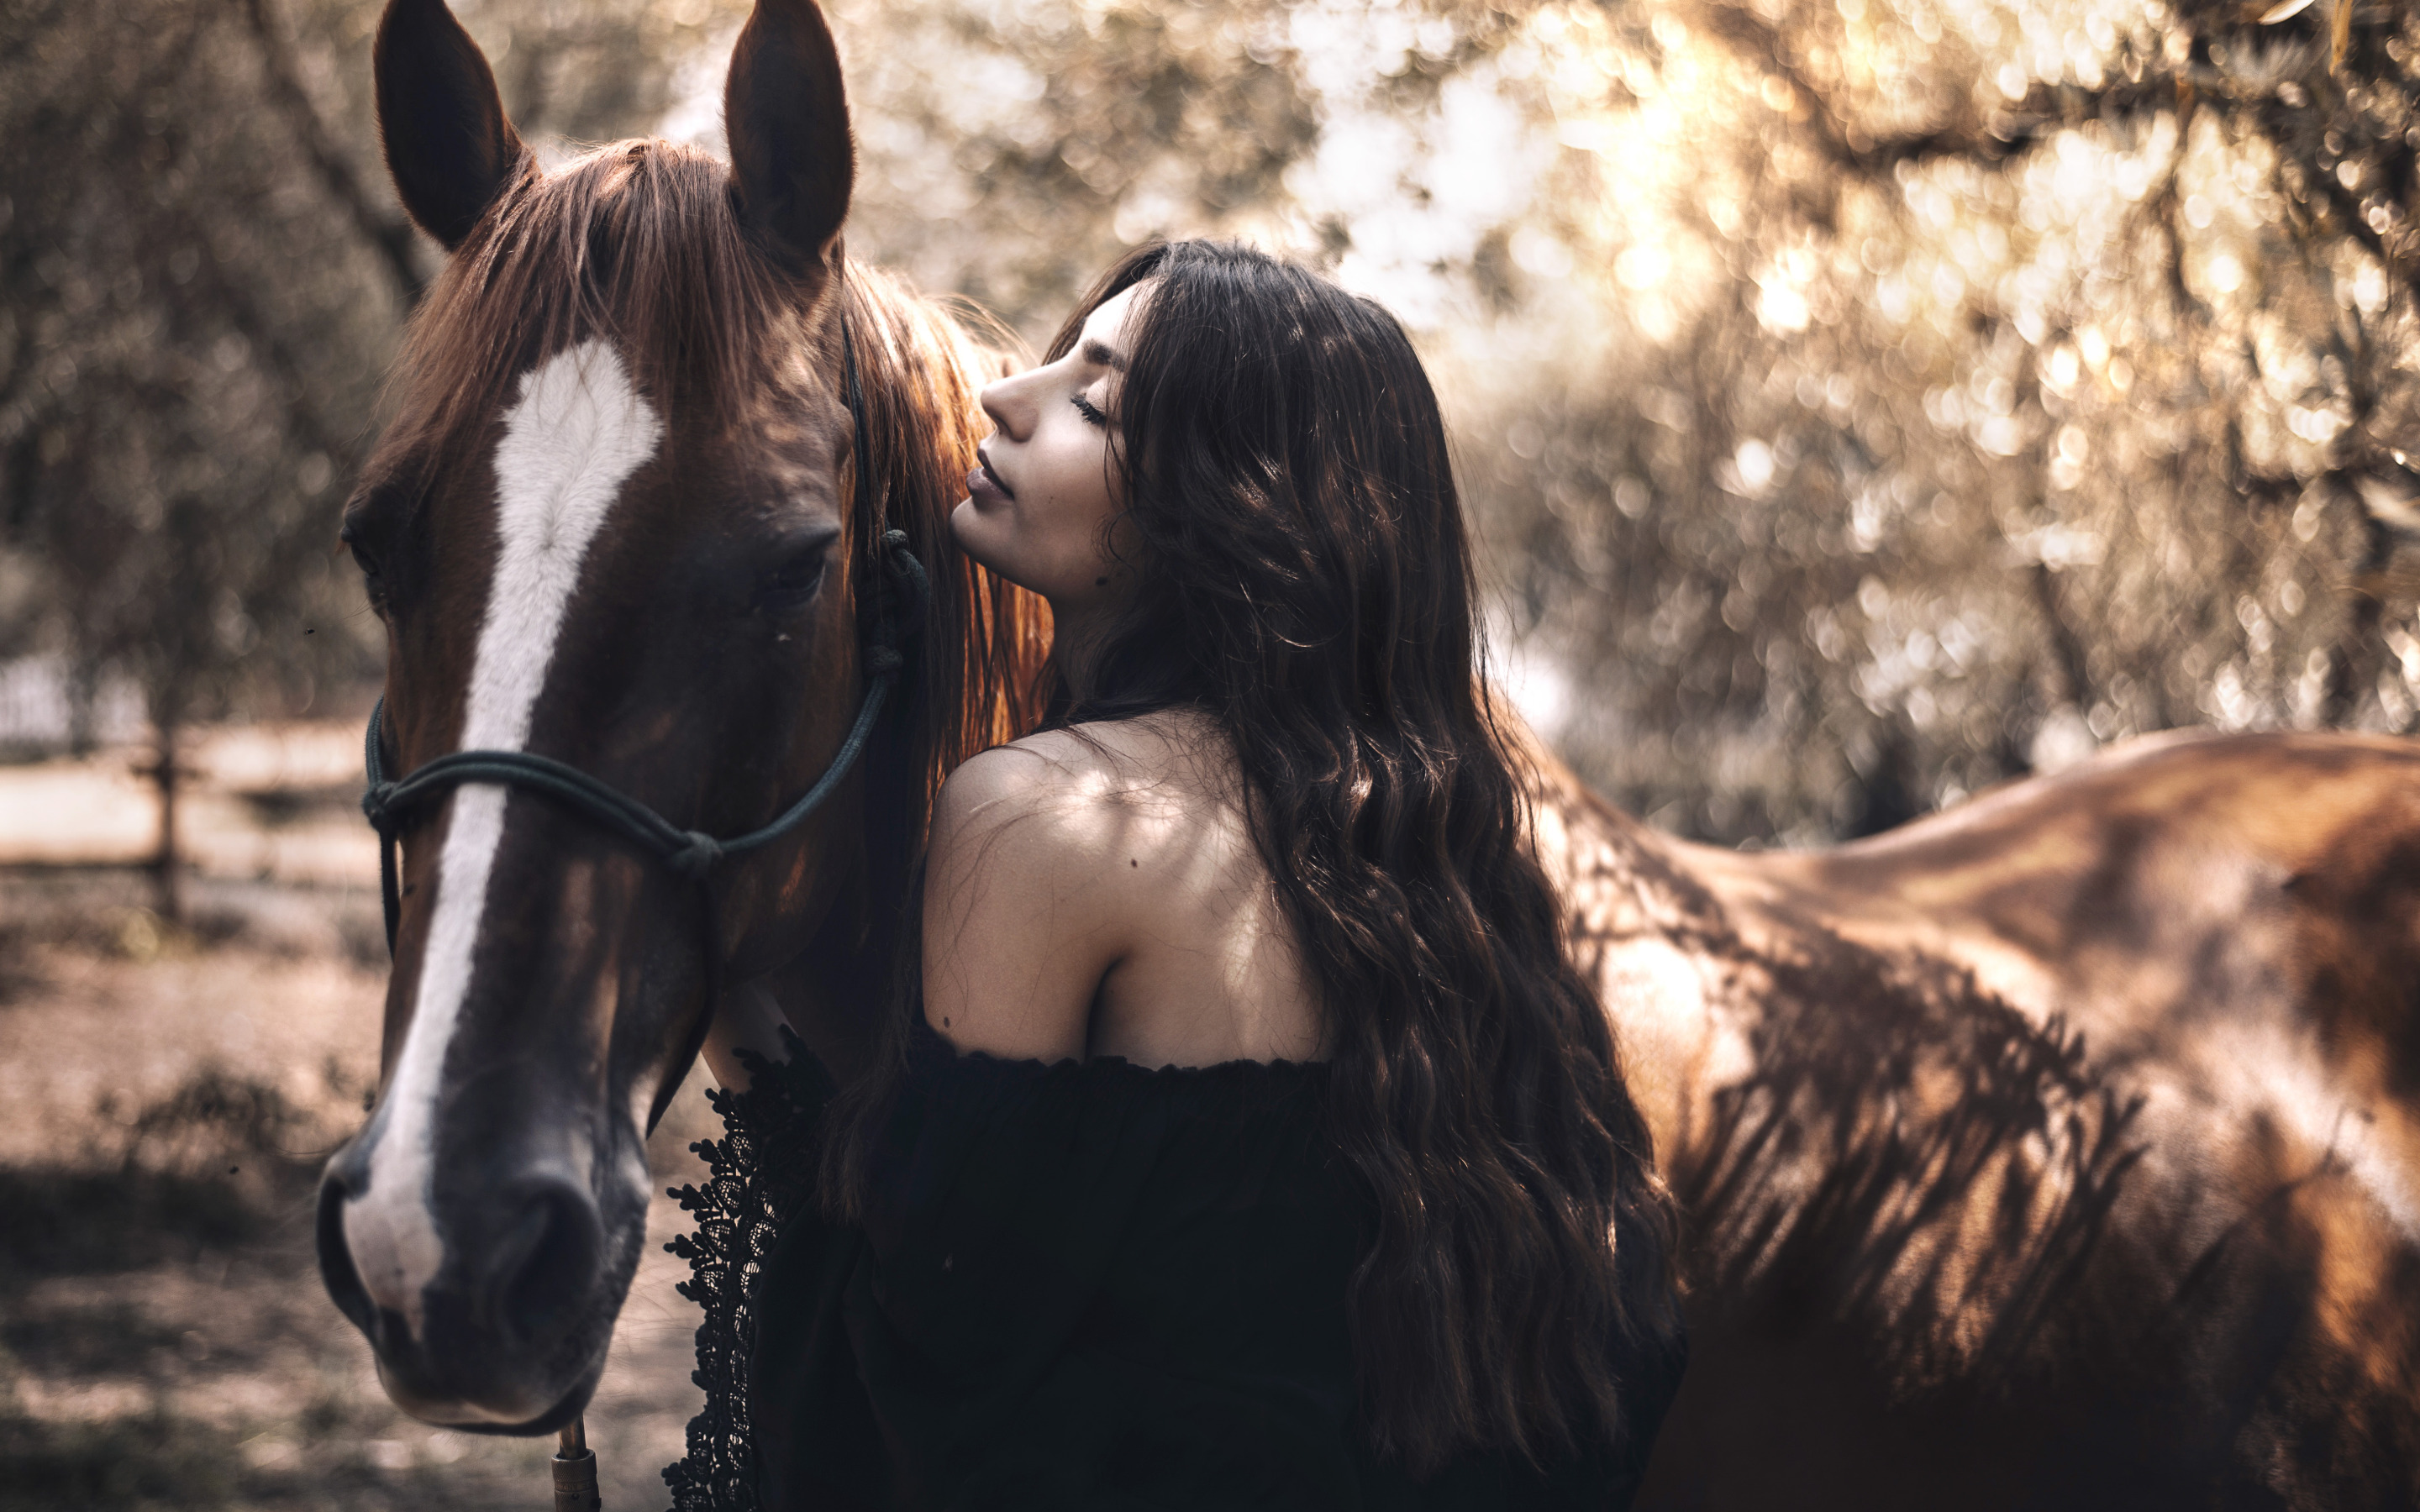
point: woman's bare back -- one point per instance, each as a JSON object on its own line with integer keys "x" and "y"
{"x": 1098, "y": 891}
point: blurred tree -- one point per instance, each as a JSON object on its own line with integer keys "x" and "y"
{"x": 186, "y": 362}
{"x": 1945, "y": 389}
{"x": 1011, "y": 152}
{"x": 1865, "y": 400}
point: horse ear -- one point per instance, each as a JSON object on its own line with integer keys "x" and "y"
{"x": 447, "y": 142}
{"x": 786, "y": 116}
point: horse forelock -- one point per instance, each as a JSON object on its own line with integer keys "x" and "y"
{"x": 635, "y": 243}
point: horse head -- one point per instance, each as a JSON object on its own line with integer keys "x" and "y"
{"x": 618, "y": 524}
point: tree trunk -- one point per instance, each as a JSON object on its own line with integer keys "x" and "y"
{"x": 83, "y": 697}
{"x": 2067, "y": 647}
{"x": 167, "y": 865}
{"x": 2352, "y": 661}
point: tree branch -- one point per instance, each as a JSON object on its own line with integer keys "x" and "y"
{"x": 391, "y": 235}
{"x": 1987, "y": 140}
{"x": 2066, "y": 646}
{"x": 234, "y": 302}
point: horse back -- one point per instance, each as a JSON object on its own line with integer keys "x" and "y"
{"x": 2060, "y": 1149}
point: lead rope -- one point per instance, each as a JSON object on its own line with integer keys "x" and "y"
{"x": 696, "y": 856}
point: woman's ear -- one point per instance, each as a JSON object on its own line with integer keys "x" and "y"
{"x": 447, "y": 142}
{"x": 783, "y": 110}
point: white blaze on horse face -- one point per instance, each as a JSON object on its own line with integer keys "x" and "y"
{"x": 576, "y": 433}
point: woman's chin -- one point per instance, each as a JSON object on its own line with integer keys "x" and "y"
{"x": 978, "y": 528}
{"x": 967, "y": 526}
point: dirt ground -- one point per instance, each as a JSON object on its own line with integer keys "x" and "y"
{"x": 169, "y": 1095}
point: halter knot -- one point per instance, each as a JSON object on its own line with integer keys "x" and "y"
{"x": 377, "y": 807}
{"x": 697, "y": 859}
{"x": 911, "y": 589}
{"x": 880, "y": 660}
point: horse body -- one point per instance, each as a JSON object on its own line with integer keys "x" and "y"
{"x": 2057, "y": 1150}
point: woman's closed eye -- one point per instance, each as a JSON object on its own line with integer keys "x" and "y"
{"x": 1091, "y": 411}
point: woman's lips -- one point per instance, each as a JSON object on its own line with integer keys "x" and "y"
{"x": 983, "y": 485}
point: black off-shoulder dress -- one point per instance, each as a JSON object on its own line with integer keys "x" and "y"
{"x": 1083, "y": 1285}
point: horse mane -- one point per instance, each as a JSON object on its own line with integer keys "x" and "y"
{"x": 984, "y": 637}
{"x": 637, "y": 240}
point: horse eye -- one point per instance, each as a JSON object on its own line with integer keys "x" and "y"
{"x": 367, "y": 561}
{"x": 798, "y": 578}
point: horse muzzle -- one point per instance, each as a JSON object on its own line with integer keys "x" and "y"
{"x": 489, "y": 1306}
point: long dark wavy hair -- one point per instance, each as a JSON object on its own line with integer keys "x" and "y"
{"x": 1307, "y": 582}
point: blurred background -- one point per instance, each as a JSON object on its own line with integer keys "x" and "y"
{"x": 1860, "y": 403}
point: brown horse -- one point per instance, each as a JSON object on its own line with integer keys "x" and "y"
{"x": 2058, "y": 1151}
{"x": 616, "y": 523}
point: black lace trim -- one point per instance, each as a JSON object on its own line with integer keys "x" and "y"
{"x": 757, "y": 1175}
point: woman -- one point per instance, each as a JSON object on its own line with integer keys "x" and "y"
{"x": 1378, "y": 1226}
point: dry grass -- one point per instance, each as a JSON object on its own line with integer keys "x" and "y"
{"x": 170, "y": 1094}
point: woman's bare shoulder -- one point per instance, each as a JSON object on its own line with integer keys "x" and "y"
{"x": 1060, "y": 800}
{"x": 1175, "y": 756}
{"x": 1097, "y": 889}
{"x": 1042, "y": 878}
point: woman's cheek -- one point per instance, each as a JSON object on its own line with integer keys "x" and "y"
{"x": 1004, "y": 538}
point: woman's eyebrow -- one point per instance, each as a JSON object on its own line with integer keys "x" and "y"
{"x": 1099, "y": 354}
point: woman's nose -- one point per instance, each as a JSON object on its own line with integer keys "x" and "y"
{"x": 1004, "y": 401}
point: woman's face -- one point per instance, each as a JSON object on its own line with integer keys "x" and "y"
{"x": 1036, "y": 508}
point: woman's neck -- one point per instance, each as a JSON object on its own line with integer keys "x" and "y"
{"x": 1078, "y": 634}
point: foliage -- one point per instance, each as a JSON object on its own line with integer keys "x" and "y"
{"x": 188, "y": 349}
{"x": 1959, "y": 386}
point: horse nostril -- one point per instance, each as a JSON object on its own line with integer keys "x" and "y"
{"x": 337, "y": 1269}
{"x": 545, "y": 1263}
